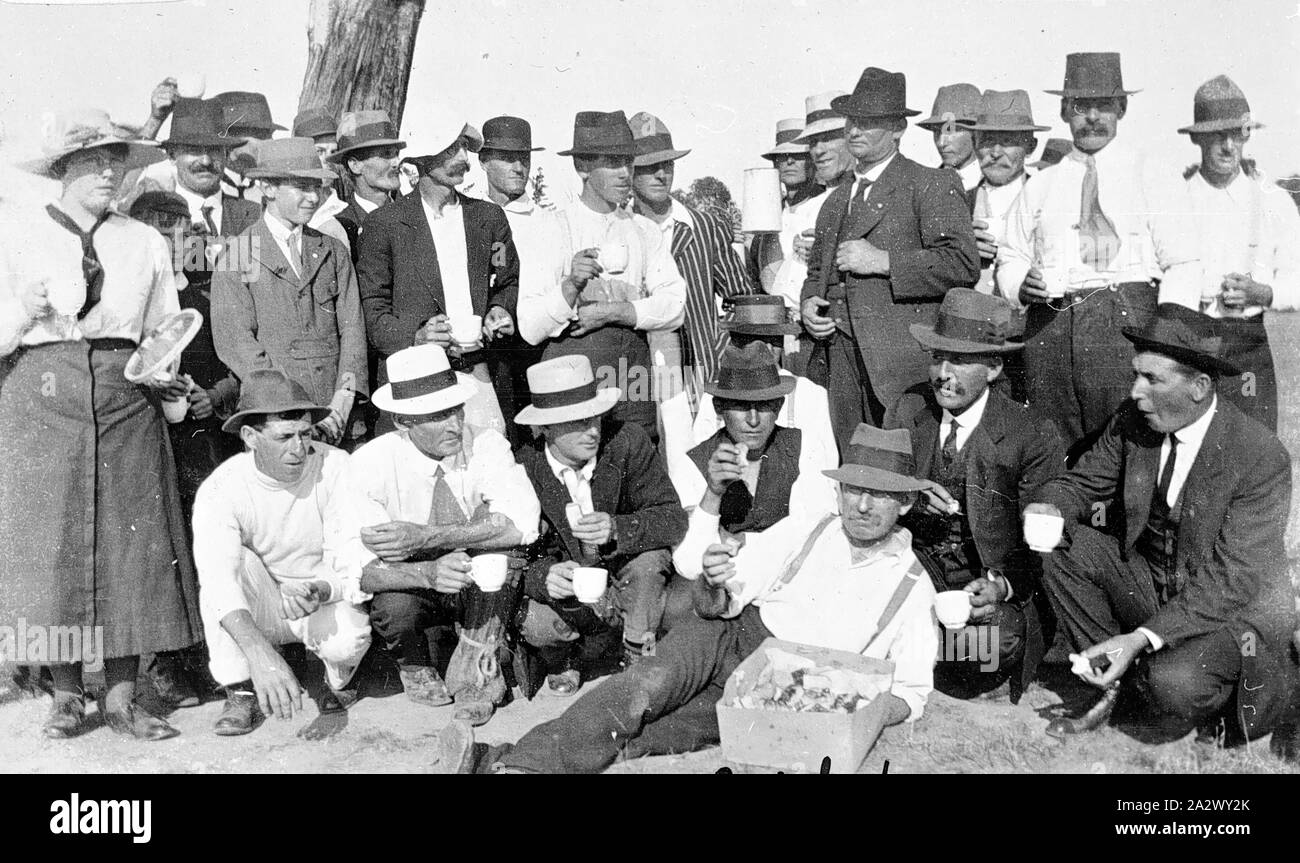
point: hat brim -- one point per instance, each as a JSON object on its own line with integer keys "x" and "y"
{"x": 1218, "y": 126}
{"x": 236, "y": 422}
{"x": 1090, "y": 94}
{"x": 339, "y": 155}
{"x": 457, "y": 394}
{"x": 928, "y": 338}
{"x": 657, "y": 157}
{"x": 205, "y": 141}
{"x": 594, "y": 150}
{"x": 783, "y": 388}
{"x": 819, "y": 127}
{"x": 603, "y": 403}
{"x": 851, "y": 107}
{"x": 1186, "y": 356}
{"x": 789, "y": 148}
{"x": 748, "y": 329}
{"x": 1002, "y": 127}
{"x": 297, "y": 174}
{"x": 938, "y": 123}
{"x": 508, "y": 147}
{"x": 139, "y": 154}
{"x": 876, "y": 479}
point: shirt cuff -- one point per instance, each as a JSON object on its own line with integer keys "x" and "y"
{"x": 914, "y": 700}
{"x": 1156, "y": 641}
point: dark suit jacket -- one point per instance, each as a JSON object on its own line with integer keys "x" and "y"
{"x": 397, "y": 268}
{"x": 919, "y": 215}
{"x": 1231, "y": 564}
{"x": 1009, "y": 455}
{"x": 351, "y": 218}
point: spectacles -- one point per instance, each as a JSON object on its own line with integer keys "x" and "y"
{"x": 1082, "y": 107}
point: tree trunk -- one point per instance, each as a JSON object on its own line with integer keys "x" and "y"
{"x": 359, "y": 55}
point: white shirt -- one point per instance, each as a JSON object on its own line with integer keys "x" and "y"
{"x": 584, "y": 474}
{"x": 806, "y": 408}
{"x": 998, "y": 200}
{"x": 835, "y": 603}
{"x": 966, "y": 423}
{"x": 1250, "y": 227}
{"x": 365, "y": 204}
{"x": 970, "y": 174}
{"x": 677, "y": 213}
{"x": 397, "y": 480}
{"x": 197, "y": 203}
{"x": 448, "y": 230}
{"x": 871, "y": 175}
{"x": 790, "y": 276}
{"x": 536, "y": 236}
{"x": 289, "y": 239}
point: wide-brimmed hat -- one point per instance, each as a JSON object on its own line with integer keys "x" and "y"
{"x": 750, "y": 374}
{"x": 271, "y": 391}
{"x": 1054, "y": 151}
{"x": 601, "y": 133}
{"x": 442, "y": 126}
{"x": 969, "y": 322}
{"x": 359, "y": 130}
{"x": 1218, "y": 106}
{"x": 759, "y": 315}
{"x": 652, "y": 140}
{"x": 879, "y": 460}
{"x": 1093, "y": 75}
{"x": 87, "y": 129}
{"x": 1004, "y": 111}
{"x": 819, "y": 116}
{"x": 787, "y": 131}
{"x": 199, "y": 123}
{"x": 244, "y": 110}
{"x": 1184, "y": 335}
{"x": 314, "y": 123}
{"x": 421, "y": 381}
{"x": 564, "y": 389}
{"x": 954, "y": 103}
{"x": 159, "y": 201}
{"x": 879, "y": 94}
{"x": 288, "y": 157}
{"x": 509, "y": 134}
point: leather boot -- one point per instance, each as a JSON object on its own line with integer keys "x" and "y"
{"x": 1095, "y": 716}
{"x": 169, "y": 678}
{"x": 240, "y": 715}
{"x": 135, "y": 721}
{"x": 67, "y": 716}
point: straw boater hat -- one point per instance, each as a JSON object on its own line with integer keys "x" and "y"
{"x": 759, "y": 315}
{"x": 564, "y": 389}
{"x": 1186, "y": 336}
{"x": 787, "y": 131}
{"x": 969, "y": 323}
{"x": 879, "y": 460}
{"x": 879, "y": 94}
{"x": 315, "y": 123}
{"x": 509, "y": 135}
{"x": 653, "y": 141}
{"x": 421, "y": 381}
{"x": 1004, "y": 111}
{"x": 600, "y": 133}
{"x": 1219, "y": 106}
{"x": 270, "y": 391}
{"x": 242, "y": 111}
{"x": 289, "y": 157}
{"x": 198, "y": 123}
{"x": 750, "y": 374}
{"x": 1092, "y": 76}
{"x": 359, "y": 130}
{"x": 87, "y": 129}
{"x": 1054, "y": 151}
{"x": 954, "y": 103}
{"x": 819, "y": 116}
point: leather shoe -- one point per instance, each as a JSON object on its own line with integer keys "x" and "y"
{"x": 1094, "y": 718}
{"x": 137, "y": 722}
{"x": 167, "y": 675}
{"x": 67, "y": 717}
{"x": 424, "y": 686}
{"x": 565, "y": 683}
{"x": 474, "y": 706}
{"x": 240, "y": 715}
{"x": 337, "y": 701}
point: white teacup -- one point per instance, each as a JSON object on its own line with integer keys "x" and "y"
{"x": 191, "y": 85}
{"x": 953, "y": 608}
{"x": 573, "y": 512}
{"x": 467, "y": 330}
{"x": 613, "y": 257}
{"x": 1043, "y": 531}
{"x": 174, "y": 410}
{"x": 490, "y": 571}
{"x": 589, "y": 583}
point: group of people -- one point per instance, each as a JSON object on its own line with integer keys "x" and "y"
{"x": 417, "y": 421}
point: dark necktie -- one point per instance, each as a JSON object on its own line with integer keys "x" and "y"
{"x": 1098, "y": 241}
{"x": 860, "y": 199}
{"x": 1167, "y": 476}
{"x": 949, "y": 451}
{"x": 91, "y": 268}
{"x": 206, "y": 210}
{"x": 446, "y": 510}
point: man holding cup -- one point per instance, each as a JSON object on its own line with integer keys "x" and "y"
{"x": 438, "y": 490}
{"x": 1188, "y": 589}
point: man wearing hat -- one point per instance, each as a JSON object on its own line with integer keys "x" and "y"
{"x": 1188, "y": 588}
{"x": 888, "y": 246}
{"x": 606, "y": 309}
{"x": 436, "y": 491}
{"x": 294, "y": 305}
{"x": 844, "y": 582}
{"x": 955, "y": 108}
{"x": 1247, "y": 233}
{"x": 317, "y": 124}
{"x": 435, "y": 260}
{"x": 985, "y": 453}
{"x": 1079, "y": 252}
{"x": 607, "y": 502}
{"x": 245, "y": 115}
{"x": 367, "y": 149}
{"x": 767, "y": 251}
{"x": 279, "y": 553}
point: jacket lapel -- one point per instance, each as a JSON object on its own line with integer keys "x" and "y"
{"x": 420, "y": 238}
{"x": 1207, "y": 477}
{"x": 926, "y": 437}
{"x": 269, "y": 256}
{"x": 314, "y": 253}
{"x": 1141, "y": 463}
{"x": 477, "y": 244}
{"x": 866, "y": 217}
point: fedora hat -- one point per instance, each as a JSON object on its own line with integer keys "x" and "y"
{"x": 969, "y": 322}
{"x": 87, "y": 129}
{"x": 246, "y": 111}
{"x": 1218, "y": 106}
{"x": 879, "y": 460}
{"x": 358, "y": 130}
{"x": 600, "y": 133}
{"x": 1184, "y": 335}
{"x": 1094, "y": 75}
{"x": 421, "y": 381}
{"x": 564, "y": 389}
{"x": 442, "y": 126}
{"x": 759, "y": 315}
{"x": 878, "y": 94}
{"x": 750, "y": 374}
{"x": 1004, "y": 111}
{"x": 199, "y": 123}
{"x": 819, "y": 116}
{"x": 288, "y": 157}
{"x": 1054, "y": 151}
{"x": 158, "y": 201}
{"x": 509, "y": 134}
{"x": 787, "y": 131}
{"x": 271, "y": 391}
{"x": 314, "y": 123}
{"x": 653, "y": 141}
{"x": 954, "y": 103}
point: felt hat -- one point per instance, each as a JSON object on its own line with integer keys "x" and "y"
{"x": 1219, "y": 106}
{"x": 509, "y": 134}
{"x": 358, "y": 130}
{"x": 954, "y": 103}
{"x": 652, "y": 140}
{"x": 969, "y": 322}
{"x": 601, "y": 133}
{"x": 270, "y": 391}
{"x": 1004, "y": 111}
{"x": 879, "y": 460}
{"x": 1184, "y": 335}
{"x": 879, "y": 94}
{"x": 750, "y": 374}
{"x": 759, "y": 315}
{"x": 289, "y": 157}
{"x": 1093, "y": 75}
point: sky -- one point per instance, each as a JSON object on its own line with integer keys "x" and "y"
{"x": 719, "y": 74}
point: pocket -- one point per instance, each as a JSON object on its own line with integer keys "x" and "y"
{"x": 313, "y": 349}
{"x": 325, "y": 292}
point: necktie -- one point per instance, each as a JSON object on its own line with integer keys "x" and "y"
{"x": 295, "y": 251}
{"x": 206, "y": 210}
{"x": 446, "y": 508}
{"x": 1167, "y": 475}
{"x": 1098, "y": 241}
{"x": 91, "y": 268}
{"x": 860, "y": 198}
{"x": 949, "y": 451}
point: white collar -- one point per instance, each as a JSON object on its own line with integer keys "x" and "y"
{"x": 1194, "y": 435}
{"x": 558, "y": 468}
{"x": 196, "y": 201}
{"x": 279, "y": 230}
{"x": 679, "y": 213}
{"x": 969, "y": 418}
{"x": 365, "y": 204}
{"x": 450, "y": 210}
{"x": 895, "y": 545}
{"x": 523, "y": 205}
{"x": 873, "y": 173}
{"x": 421, "y": 464}
{"x": 970, "y": 174}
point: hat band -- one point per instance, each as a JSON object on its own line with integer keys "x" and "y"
{"x": 880, "y": 459}
{"x": 654, "y": 143}
{"x": 1004, "y": 119}
{"x": 509, "y": 145}
{"x": 760, "y": 313}
{"x": 742, "y": 380}
{"x": 564, "y": 398}
{"x": 968, "y": 330}
{"x": 821, "y": 114}
{"x": 370, "y": 132}
{"x": 414, "y": 388}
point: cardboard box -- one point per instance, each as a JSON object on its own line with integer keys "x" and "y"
{"x": 794, "y": 741}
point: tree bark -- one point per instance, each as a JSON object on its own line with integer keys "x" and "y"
{"x": 359, "y": 55}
